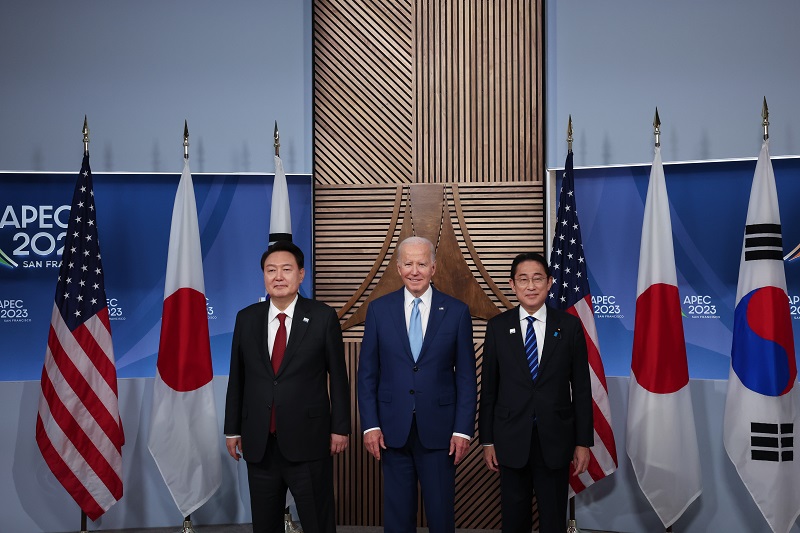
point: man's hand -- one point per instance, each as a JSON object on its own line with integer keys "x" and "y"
{"x": 338, "y": 443}
{"x": 373, "y": 442}
{"x": 234, "y": 445}
{"x": 580, "y": 459}
{"x": 490, "y": 458}
{"x": 459, "y": 446}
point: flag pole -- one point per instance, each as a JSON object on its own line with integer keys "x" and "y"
{"x": 288, "y": 523}
{"x": 85, "y": 153}
{"x": 657, "y": 129}
{"x": 572, "y": 526}
{"x": 277, "y": 143}
{"x": 185, "y": 139}
{"x": 85, "y": 136}
{"x": 765, "y": 119}
{"x": 657, "y": 134}
{"x": 187, "y": 520}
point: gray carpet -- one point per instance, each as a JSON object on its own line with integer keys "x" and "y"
{"x": 245, "y": 528}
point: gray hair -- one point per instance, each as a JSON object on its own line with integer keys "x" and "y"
{"x": 415, "y": 240}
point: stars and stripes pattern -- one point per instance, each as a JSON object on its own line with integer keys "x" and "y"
{"x": 570, "y": 292}
{"x": 78, "y": 428}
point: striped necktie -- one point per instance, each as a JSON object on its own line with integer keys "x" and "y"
{"x": 531, "y": 350}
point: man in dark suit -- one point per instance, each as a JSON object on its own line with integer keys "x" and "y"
{"x": 417, "y": 391}
{"x": 536, "y": 401}
{"x": 279, "y": 413}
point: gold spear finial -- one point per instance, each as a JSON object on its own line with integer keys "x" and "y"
{"x": 185, "y": 139}
{"x": 569, "y": 135}
{"x": 85, "y": 136}
{"x": 765, "y": 116}
{"x": 657, "y": 128}
{"x": 277, "y": 143}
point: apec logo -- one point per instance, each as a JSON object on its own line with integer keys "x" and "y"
{"x": 40, "y": 234}
{"x": 13, "y": 310}
{"x": 699, "y": 306}
{"x": 114, "y": 309}
{"x": 794, "y": 306}
{"x": 606, "y": 306}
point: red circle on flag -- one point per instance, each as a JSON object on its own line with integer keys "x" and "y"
{"x": 184, "y": 353}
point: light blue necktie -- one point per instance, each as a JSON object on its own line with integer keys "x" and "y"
{"x": 531, "y": 349}
{"x": 415, "y": 330}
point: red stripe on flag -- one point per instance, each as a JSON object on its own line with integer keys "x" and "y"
{"x": 601, "y": 424}
{"x": 64, "y": 475}
{"x": 84, "y": 391}
{"x": 83, "y": 443}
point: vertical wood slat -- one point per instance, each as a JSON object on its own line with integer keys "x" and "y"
{"x": 429, "y": 91}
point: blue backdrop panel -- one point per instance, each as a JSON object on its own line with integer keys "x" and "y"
{"x": 708, "y": 206}
{"x": 133, "y": 216}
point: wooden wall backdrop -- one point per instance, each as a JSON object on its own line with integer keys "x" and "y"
{"x": 427, "y": 121}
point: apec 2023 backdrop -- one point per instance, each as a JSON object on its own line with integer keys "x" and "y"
{"x": 708, "y": 208}
{"x": 133, "y": 217}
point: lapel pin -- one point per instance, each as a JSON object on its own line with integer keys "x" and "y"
{"x": 512, "y": 330}
{"x": 305, "y": 319}
{"x": 441, "y": 309}
{"x": 557, "y": 333}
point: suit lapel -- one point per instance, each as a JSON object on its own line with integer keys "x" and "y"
{"x": 435, "y": 317}
{"x": 300, "y": 322}
{"x": 397, "y": 316}
{"x": 516, "y": 340}
{"x": 264, "y": 341}
{"x": 552, "y": 334}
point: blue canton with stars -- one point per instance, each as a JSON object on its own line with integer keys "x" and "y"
{"x": 567, "y": 264}
{"x": 80, "y": 292}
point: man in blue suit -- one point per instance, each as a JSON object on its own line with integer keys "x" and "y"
{"x": 417, "y": 391}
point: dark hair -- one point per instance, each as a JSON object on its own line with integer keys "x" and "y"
{"x": 284, "y": 246}
{"x": 529, "y": 256}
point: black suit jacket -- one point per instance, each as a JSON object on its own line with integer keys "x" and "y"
{"x": 306, "y": 413}
{"x": 560, "y": 400}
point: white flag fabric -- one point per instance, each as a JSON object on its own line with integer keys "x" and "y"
{"x": 184, "y": 433}
{"x": 661, "y": 438}
{"x": 760, "y": 426}
{"x": 280, "y": 219}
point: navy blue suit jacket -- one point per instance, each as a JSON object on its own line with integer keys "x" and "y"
{"x": 441, "y": 386}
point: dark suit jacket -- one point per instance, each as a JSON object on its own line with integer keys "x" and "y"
{"x": 307, "y": 414}
{"x": 561, "y": 398}
{"x": 441, "y": 385}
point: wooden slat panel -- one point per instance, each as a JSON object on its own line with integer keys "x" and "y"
{"x": 423, "y": 91}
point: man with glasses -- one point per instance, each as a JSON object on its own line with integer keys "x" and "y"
{"x": 536, "y": 401}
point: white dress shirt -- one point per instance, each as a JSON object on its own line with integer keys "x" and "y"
{"x": 539, "y": 327}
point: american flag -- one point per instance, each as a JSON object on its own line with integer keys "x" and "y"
{"x": 78, "y": 428}
{"x": 570, "y": 292}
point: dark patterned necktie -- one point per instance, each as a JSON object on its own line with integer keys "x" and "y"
{"x": 531, "y": 349}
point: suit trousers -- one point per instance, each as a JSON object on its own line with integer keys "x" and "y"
{"x": 311, "y": 483}
{"x": 436, "y": 473}
{"x": 518, "y": 485}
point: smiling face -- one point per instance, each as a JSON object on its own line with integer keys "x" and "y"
{"x": 416, "y": 267}
{"x": 282, "y": 278}
{"x": 531, "y": 284}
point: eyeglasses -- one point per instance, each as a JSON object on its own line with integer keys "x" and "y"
{"x": 525, "y": 281}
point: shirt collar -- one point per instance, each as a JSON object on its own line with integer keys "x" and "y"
{"x": 426, "y": 297}
{"x": 540, "y": 315}
{"x": 274, "y": 311}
